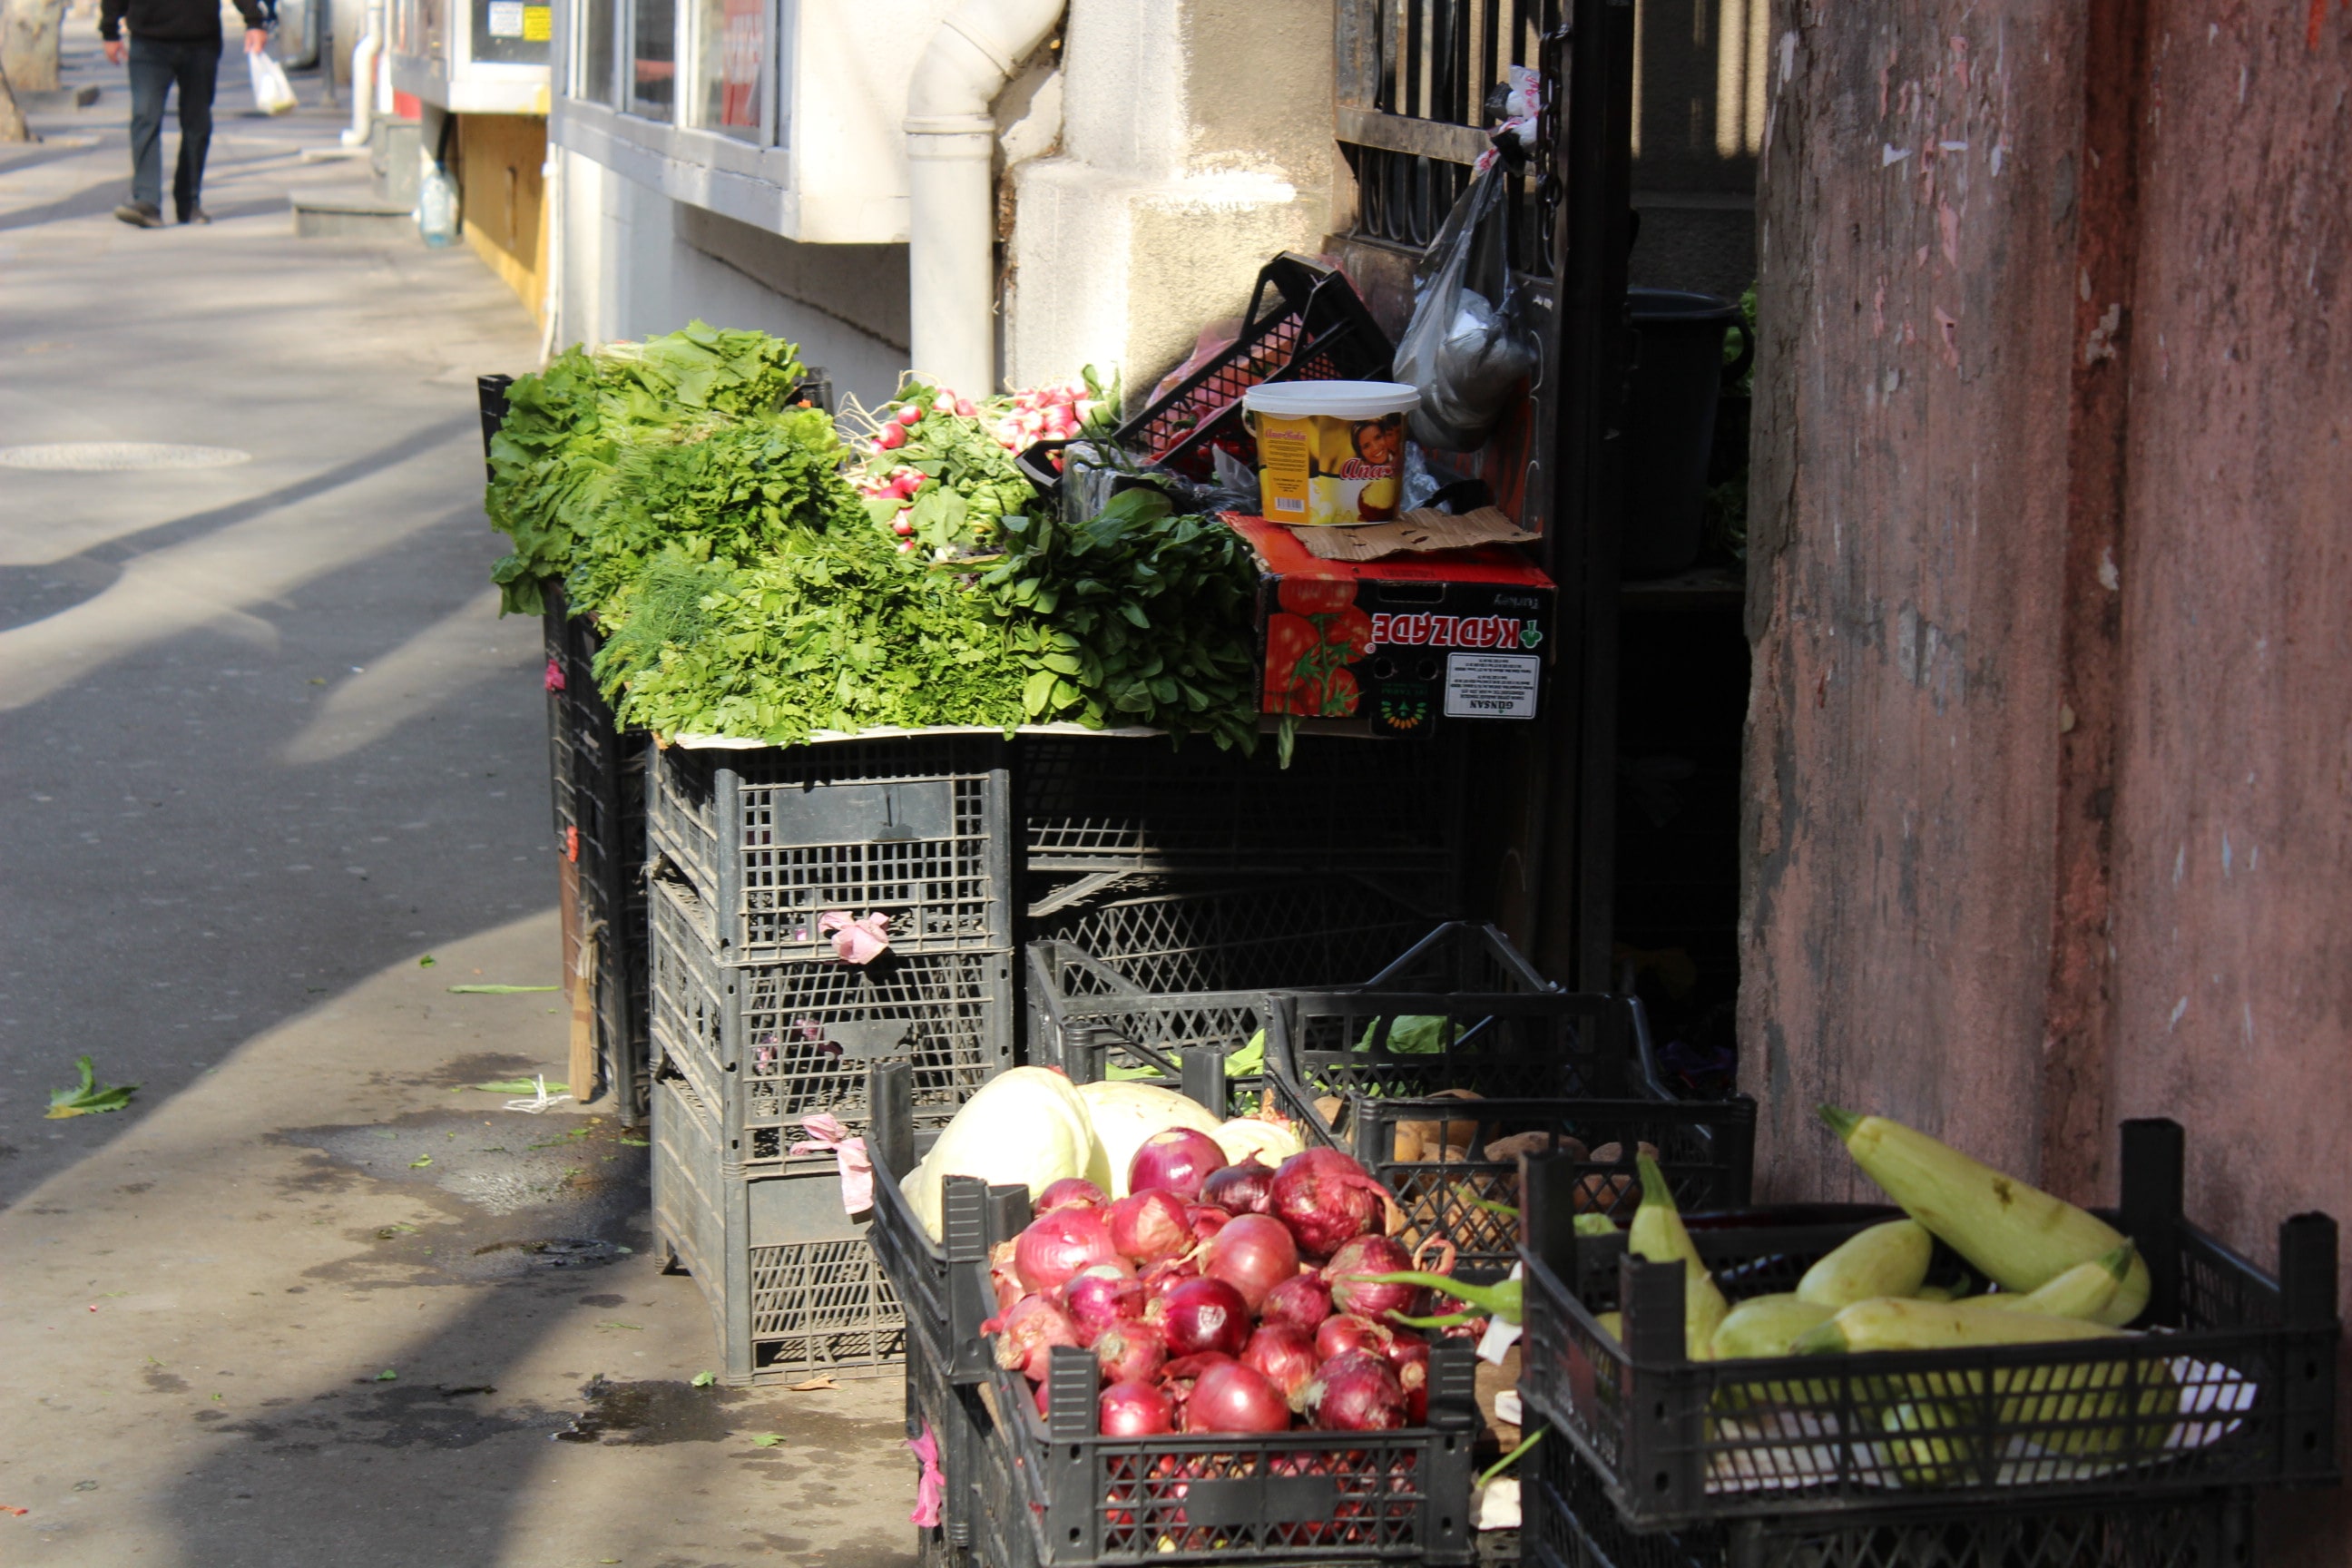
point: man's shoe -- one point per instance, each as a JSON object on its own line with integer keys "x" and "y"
{"x": 141, "y": 214}
{"x": 195, "y": 215}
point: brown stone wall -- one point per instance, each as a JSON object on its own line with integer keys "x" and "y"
{"x": 2051, "y": 737}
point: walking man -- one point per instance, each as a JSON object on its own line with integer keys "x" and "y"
{"x": 172, "y": 43}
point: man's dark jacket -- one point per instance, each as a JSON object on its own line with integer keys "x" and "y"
{"x": 171, "y": 21}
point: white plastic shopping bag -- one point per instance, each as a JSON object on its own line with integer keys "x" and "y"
{"x": 272, "y": 93}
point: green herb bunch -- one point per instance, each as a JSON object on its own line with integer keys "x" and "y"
{"x": 555, "y": 463}
{"x": 1136, "y": 617}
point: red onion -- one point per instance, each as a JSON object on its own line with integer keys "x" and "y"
{"x": 1147, "y": 1226}
{"x": 1177, "y": 1160}
{"x": 1178, "y": 1375}
{"x": 1347, "y": 1332}
{"x": 1285, "y": 1356}
{"x": 1302, "y": 1301}
{"x": 1027, "y": 1334}
{"x": 1363, "y": 1255}
{"x": 1204, "y": 1220}
{"x": 1355, "y": 1390}
{"x": 1204, "y": 1315}
{"x": 1135, "y": 1410}
{"x": 1252, "y": 1254}
{"x": 1245, "y": 1188}
{"x": 1003, "y": 1276}
{"x": 1058, "y": 1244}
{"x": 1069, "y": 1193}
{"x": 1408, "y": 1354}
{"x": 1100, "y": 1295}
{"x": 1324, "y": 1198}
{"x": 1130, "y": 1351}
{"x": 1230, "y": 1398}
{"x": 1158, "y": 1278}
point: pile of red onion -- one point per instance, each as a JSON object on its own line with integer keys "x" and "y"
{"x": 1220, "y": 1297}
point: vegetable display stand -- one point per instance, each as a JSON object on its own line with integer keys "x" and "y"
{"x": 1444, "y": 1069}
{"x": 793, "y": 1289}
{"x": 2234, "y": 1386}
{"x": 1304, "y": 322}
{"x": 1568, "y": 1522}
{"x": 597, "y": 778}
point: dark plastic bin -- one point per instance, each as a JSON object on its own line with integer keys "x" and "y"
{"x": 793, "y": 1289}
{"x": 1568, "y": 1522}
{"x": 2254, "y": 1355}
{"x": 771, "y": 1044}
{"x": 1533, "y": 1060}
{"x": 774, "y": 837}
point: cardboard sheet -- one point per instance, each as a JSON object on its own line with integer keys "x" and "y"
{"x": 1414, "y": 534}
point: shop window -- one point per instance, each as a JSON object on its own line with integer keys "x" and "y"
{"x": 594, "y": 72}
{"x": 732, "y": 46}
{"x": 653, "y": 62}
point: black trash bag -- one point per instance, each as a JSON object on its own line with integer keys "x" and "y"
{"x": 1468, "y": 346}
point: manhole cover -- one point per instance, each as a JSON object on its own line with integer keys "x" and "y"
{"x": 102, "y": 456}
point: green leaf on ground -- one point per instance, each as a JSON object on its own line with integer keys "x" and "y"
{"x": 420, "y": 1161}
{"x": 388, "y": 1375}
{"x": 497, "y": 990}
{"x": 88, "y": 1097}
{"x": 705, "y": 1379}
{"x": 766, "y": 1439}
{"x": 636, "y": 1142}
{"x": 519, "y": 1086}
{"x": 427, "y": 961}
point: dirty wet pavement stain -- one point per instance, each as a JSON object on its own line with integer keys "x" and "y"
{"x": 517, "y": 1195}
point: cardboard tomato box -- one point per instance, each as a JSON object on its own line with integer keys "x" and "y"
{"x": 1404, "y": 643}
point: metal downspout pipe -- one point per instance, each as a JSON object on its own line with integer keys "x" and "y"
{"x": 950, "y": 152}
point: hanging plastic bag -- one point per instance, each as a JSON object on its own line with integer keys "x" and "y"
{"x": 1468, "y": 348}
{"x": 272, "y": 93}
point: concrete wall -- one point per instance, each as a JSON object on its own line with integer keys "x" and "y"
{"x": 634, "y": 262}
{"x": 2051, "y": 740}
{"x": 1196, "y": 144}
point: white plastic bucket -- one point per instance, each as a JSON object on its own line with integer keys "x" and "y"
{"x": 1330, "y": 451}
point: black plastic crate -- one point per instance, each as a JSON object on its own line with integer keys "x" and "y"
{"x": 1229, "y": 933}
{"x": 1304, "y": 322}
{"x": 949, "y": 1414}
{"x": 1076, "y": 1499}
{"x": 1106, "y": 806}
{"x": 793, "y": 1289}
{"x": 2240, "y": 1392}
{"x": 1568, "y": 1522}
{"x": 771, "y": 1044}
{"x": 1572, "y": 1071}
{"x": 772, "y": 838}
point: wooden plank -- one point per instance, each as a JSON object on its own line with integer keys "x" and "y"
{"x": 1403, "y": 133}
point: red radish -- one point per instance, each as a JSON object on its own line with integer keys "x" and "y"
{"x": 1355, "y": 1390}
{"x": 903, "y": 528}
{"x": 1245, "y": 1188}
{"x": 1058, "y": 1244}
{"x": 1135, "y": 1410}
{"x": 1351, "y": 1292}
{"x": 890, "y": 437}
{"x": 1302, "y": 1301}
{"x": 1408, "y": 1354}
{"x": 1204, "y": 1315}
{"x": 964, "y": 407}
{"x": 1100, "y": 1295}
{"x": 1325, "y": 1198}
{"x": 909, "y": 414}
{"x": 1204, "y": 1220}
{"x": 1283, "y": 1355}
{"x": 1178, "y": 1160}
{"x": 1254, "y": 1254}
{"x": 1345, "y": 1333}
{"x": 1146, "y": 1228}
{"x": 1027, "y": 1334}
{"x": 1230, "y": 1398}
{"x": 1069, "y": 1193}
{"x": 1131, "y": 1350}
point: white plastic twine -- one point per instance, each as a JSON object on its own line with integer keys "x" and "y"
{"x": 540, "y": 1101}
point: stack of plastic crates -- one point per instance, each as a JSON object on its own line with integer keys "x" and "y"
{"x": 2136, "y": 1451}
{"x": 759, "y": 1025}
{"x": 597, "y": 775}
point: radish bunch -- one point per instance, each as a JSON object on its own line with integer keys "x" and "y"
{"x": 1055, "y": 412}
{"x": 1219, "y": 1297}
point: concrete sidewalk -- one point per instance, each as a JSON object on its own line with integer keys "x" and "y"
{"x": 265, "y": 746}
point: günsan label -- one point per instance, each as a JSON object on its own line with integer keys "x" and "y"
{"x": 1491, "y": 685}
